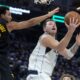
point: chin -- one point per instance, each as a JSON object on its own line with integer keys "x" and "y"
{"x": 54, "y": 32}
{"x": 9, "y": 20}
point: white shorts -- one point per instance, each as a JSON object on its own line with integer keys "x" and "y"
{"x": 40, "y": 76}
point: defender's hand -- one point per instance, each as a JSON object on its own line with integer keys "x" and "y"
{"x": 53, "y": 12}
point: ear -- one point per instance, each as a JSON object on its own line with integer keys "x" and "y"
{"x": 44, "y": 29}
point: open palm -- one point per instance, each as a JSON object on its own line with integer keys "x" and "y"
{"x": 73, "y": 23}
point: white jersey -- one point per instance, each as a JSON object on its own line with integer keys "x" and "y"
{"x": 41, "y": 61}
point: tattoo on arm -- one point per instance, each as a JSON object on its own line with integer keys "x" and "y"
{"x": 74, "y": 48}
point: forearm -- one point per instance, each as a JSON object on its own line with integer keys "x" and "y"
{"x": 39, "y": 19}
{"x": 32, "y": 22}
{"x": 71, "y": 28}
{"x": 64, "y": 42}
{"x": 72, "y": 51}
{"x": 74, "y": 48}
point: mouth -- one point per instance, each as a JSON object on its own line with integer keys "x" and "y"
{"x": 53, "y": 29}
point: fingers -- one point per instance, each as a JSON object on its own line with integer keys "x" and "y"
{"x": 70, "y": 20}
{"x": 74, "y": 21}
{"x": 56, "y": 10}
{"x": 53, "y": 12}
{"x": 66, "y": 24}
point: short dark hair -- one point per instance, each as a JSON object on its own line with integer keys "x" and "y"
{"x": 3, "y": 10}
{"x": 44, "y": 23}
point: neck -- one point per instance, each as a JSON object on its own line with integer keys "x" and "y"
{"x": 51, "y": 34}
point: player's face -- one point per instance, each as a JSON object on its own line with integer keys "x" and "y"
{"x": 8, "y": 16}
{"x": 51, "y": 27}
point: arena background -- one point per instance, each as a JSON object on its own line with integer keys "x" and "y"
{"x": 23, "y": 41}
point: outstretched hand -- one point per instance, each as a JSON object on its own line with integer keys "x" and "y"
{"x": 73, "y": 23}
{"x": 53, "y": 11}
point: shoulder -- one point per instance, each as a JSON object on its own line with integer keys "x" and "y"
{"x": 11, "y": 25}
{"x": 46, "y": 38}
{"x": 43, "y": 36}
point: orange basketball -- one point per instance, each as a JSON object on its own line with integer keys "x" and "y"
{"x": 71, "y": 14}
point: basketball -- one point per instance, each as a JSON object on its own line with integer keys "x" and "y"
{"x": 71, "y": 14}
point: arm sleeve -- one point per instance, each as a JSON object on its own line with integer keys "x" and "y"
{"x": 69, "y": 53}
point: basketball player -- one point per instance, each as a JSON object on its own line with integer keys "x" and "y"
{"x": 6, "y": 26}
{"x": 41, "y": 64}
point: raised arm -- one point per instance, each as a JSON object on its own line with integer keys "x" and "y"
{"x": 60, "y": 47}
{"x": 32, "y": 22}
{"x": 71, "y": 28}
{"x": 69, "y": 53}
